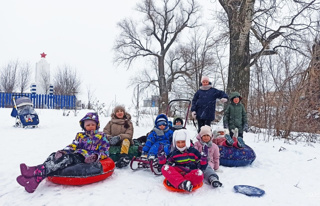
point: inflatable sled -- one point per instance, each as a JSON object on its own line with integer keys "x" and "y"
{"x": 235, "y": 157}
{"x": 82, "y": 174}
{"x": 114, "y": 151}
{"x": 249, "y": 190}
{"x": 173, "y": 189}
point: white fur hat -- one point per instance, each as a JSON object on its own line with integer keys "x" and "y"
{"x": 181, "y": 134}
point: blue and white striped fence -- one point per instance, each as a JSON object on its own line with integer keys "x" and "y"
{"x": 40, "y": 100}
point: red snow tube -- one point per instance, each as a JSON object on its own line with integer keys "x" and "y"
{"x": 104, "y": 172}
{"x": 173, "y": 189}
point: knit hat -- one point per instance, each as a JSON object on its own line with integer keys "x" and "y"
{"x": 88, "y": 121}
{"x": 177, "y": 119}
{"x": 119, "y": 107}
{"x": 205, "y": 130}
{"x": 205, "y": 78}
{"x": 161, "y": 121}
{"x": 90, "y": 116}
{"x": 219, "y": 132}
{"x": 181, "y": 134}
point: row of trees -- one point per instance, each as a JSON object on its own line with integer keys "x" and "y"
{"x": 16, "y": 77}
{"x": 255, "y": 47}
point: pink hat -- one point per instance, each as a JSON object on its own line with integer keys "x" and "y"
{"x": 205, "y": 78}
{"x": 88, "y": 121}
{"x": 205, "y": 130}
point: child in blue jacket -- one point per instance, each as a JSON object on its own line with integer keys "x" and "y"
{"x": 160, "y": 134}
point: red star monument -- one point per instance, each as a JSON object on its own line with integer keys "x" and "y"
{"x": 43, "y": 55}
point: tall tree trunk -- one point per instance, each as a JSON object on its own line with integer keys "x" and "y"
{"x": 239, "y": 70}
{"x": 163, "y": 91}
{"x": 240, "y": 14}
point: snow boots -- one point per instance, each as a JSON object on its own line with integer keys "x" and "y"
{"x": 240, "y": 142}
{"x": 229, "y": 140}
{"x": 186, "y": 185}
{"x": 31, "y": 177}
{"x": 123, "y": 161}
{"x": 214, "y": 181}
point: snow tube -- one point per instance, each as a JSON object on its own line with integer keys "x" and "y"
{"x": 82, "y": 174}
{"x": 173, "y": 189}
{"x": 236, "y": 157}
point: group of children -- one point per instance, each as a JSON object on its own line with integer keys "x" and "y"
{"x": 184, "y": 164}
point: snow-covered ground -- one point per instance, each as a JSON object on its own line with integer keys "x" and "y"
{"x": 289, "y": 177}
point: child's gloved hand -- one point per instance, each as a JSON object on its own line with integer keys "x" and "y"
{"x": 194, "y": 114}
{"x": 205, "y": 150}
{"x": 223, "y": 100}
{"x": 58, "y": 154}
{"x": 114, "y": 140}
{"x": 91, "y": 158}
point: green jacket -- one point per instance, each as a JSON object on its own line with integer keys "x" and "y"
{"x": 235, "y": 115}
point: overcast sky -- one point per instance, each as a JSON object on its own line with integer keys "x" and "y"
{"x": 79, "y": 33}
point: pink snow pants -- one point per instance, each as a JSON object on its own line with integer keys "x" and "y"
{"x": 176, "y": 176}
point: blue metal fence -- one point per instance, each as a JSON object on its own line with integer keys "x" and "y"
{"x": 40, "y": 100}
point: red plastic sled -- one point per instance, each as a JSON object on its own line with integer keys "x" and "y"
{"x": 107, "y": 166}
{"x": 173, "y": 189}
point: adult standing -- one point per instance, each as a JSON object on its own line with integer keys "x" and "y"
{"x": 204, "y": 103}
{"x": 119, "y": 131}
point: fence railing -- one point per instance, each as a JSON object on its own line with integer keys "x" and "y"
{"x": 40, "y": 100}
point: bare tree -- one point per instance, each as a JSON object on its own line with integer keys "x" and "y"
{"x": 24, "y": 75}
{"x": 66, "y": 81}
{"x": 160, "y": 30}
{"x": 90, "y": 95}
{"x": 274, "y": 24}
{"x": 9, "y": 76}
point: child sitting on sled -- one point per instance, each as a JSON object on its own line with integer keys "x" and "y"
{"x": 88, "y": 147}
{"x": 223, "y": 138}
{"x": 184, "y": 166}
{"x": 160, "y": 134}
{"x": 205, "y": 140}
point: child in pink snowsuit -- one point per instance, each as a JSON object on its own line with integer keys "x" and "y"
{"x": 184, "y": 166}
{"x": 205, "y": 140}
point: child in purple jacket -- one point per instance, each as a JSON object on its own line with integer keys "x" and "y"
{"x": 184, "y": 166}
{"x": 88, "y": 147}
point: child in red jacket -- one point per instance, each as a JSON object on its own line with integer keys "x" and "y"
{"x": 184, "y": 166}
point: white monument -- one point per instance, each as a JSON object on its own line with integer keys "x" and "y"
{"x": 42, "y": 81}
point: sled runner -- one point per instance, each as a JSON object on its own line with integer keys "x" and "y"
{"x": 249, "y": 190}
{"x": 82, "y": 174}
{"x": 24, "y": 113}
{"x": 173, "y": 189}
{"x": 144, "y": 163}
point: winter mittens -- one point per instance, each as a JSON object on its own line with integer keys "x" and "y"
{"x": 91, "y": 158}
{"x": 114, "y": 140}
{"x": 223, "y": 100}
{"x": 58, "y": 154}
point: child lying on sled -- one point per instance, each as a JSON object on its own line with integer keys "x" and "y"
{"x": 88, "y": 147}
